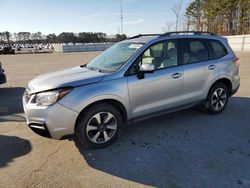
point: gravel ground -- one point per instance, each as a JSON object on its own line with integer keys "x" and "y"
{"x": 183, "y": 149}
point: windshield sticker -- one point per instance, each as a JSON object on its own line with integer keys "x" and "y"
{"x": 135, "y": 46}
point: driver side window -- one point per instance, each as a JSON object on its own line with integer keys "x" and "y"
{"x": 153, "y": 54}
{"x": 162, "y": 55}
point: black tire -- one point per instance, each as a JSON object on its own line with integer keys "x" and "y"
{"x": 212, "y": 101}
{"x": 101, "y": 110}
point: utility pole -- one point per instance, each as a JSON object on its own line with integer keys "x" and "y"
{"x": 121, "y": 18}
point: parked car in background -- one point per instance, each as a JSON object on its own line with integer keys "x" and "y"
{"x": 7, "y": 50}
{"x": 136, "y": 78}
{"x": 2, "y": 75}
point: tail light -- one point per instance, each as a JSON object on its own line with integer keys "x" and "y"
{"x": 236, "y": 61}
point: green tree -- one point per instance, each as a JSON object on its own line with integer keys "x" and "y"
{"x": 244, "y": 16}
{"x": 51, "y": 38}
{"x": 36, "y": 37}
{"x": 121, "y": 37}
{"x": 67, "y": 37}
{"x": 195, "y": 14}
{"x": 226, "y": 17}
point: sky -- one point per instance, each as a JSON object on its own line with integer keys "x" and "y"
{"x": 56, "y": 16}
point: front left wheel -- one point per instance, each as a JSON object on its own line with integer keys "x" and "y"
{"x": 99, "y": 126}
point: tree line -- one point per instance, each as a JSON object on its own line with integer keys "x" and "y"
{"x": 224, "y": 17}
{"x": 64, "y": 37}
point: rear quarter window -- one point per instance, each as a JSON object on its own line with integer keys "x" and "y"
{"x": 218, "y": 49}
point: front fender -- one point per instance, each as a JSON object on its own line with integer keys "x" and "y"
{"x": 81, "y": 97}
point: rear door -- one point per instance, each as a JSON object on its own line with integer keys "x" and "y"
{"x": 198, "y": 69}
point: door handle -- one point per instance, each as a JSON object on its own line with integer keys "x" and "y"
{"x": 211, "y": 67}
{"x": 176, "y": 75}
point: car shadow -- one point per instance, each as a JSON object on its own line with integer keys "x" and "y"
{"x": 184, "y": 149}
{"x": 12, "y": 147}
{"x": 11, "y": 104}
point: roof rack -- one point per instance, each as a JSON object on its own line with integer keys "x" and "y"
{"x": 144, "y": 35}
{"x": 175, "y": 33}
{"x": 187, "y": 33}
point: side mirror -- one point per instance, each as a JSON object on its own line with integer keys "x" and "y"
{"x": 145, "y": 68}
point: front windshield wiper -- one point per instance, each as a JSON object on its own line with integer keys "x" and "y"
{"x": 92, "y": 68}
{"x": 89, "y": 67}
{"x": 95, "y": 69}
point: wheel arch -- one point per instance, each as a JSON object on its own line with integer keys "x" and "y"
{"x": 117, "y": 104}
{"x": 226, "y": 81}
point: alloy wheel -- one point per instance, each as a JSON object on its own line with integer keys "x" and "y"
{"x": 219, "y": 99}
{"x": 101, "y": 127}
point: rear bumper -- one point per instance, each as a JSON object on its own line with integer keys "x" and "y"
{"x": 2, "y": 78}
{"x": 235, "y": 90}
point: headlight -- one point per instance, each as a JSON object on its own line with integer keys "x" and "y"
{"x": 50, "y": 97}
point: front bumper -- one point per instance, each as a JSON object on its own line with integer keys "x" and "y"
{"x": 2, "y": 78}
{"x": 55, "y": 121}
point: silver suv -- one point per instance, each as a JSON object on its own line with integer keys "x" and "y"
{"x": 140, "y": 77}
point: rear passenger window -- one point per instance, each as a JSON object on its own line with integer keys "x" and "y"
{"x": 218, "y": 49}
{"x": 194, "y": 50}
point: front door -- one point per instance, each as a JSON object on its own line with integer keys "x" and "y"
{"x": 160, "y": 90}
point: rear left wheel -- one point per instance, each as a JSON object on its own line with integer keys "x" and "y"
{"x": 217, "y": 99}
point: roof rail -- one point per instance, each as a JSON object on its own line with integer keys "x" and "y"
{"x": 187, "y": 33}
{"x": 144, "y": 35}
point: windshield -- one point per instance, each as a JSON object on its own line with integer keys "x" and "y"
{"x": 115, "y": 57}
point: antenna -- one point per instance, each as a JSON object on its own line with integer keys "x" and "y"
{"x": 121, "y": 18}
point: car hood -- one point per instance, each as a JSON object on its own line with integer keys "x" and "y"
{"x": 72, "y": 77}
